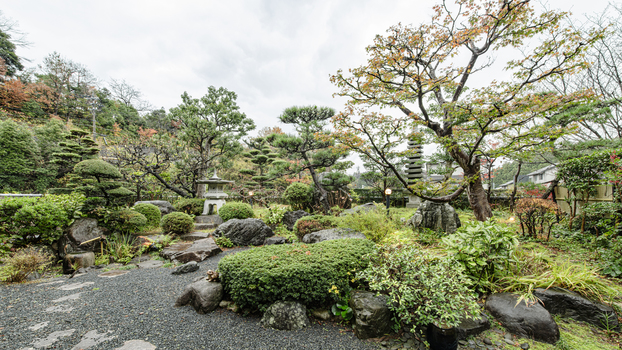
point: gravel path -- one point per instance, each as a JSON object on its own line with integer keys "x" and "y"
{"x": 135, "y": 311}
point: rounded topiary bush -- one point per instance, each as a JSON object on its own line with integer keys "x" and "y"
{"x": 235, "y": 210}
{"x": 127, "y": 221}
{"x": 151, "y": 212}
{"x": 298, "y": 195}
{"x": 314, "y": 223}
{"x": 191, "y": 206}
{"x": 177, "y": 223}
{"x": 258, "y": 277}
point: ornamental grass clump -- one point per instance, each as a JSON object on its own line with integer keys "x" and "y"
{"x": 307, "y": 273}
{"x": 374, "y": 224}
{"x": 23, "y": 263}
{"x": 422, "y": 288}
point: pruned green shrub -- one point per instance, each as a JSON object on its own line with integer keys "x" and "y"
{"x": 298, "y": 195}
{"x": 235, "y": 210}
{"x": 127, "y": 221}
{"x": 423, "y": 288}
{"x": 258, "y": 277}
{"x": 190, "y": 206}
{"x": 177, "y": 223}
{"x": 314, "y": 223}
{"x": 223, "y": 242}
{"x": 151, "y": 212}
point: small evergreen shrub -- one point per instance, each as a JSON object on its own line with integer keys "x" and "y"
{"x": 298, "y": 195}
{"x": 151, "y": 212}
{"x": 190, "y": 206}
{"x": 127, "y": 221}
{"x": 314, "y": 223}
{"x": 537, "y": 216}
{"x": 235, "y": 210}
{"x": 177, "y": 223}
{"x": 258, "y": 277}
{"x": 423, "y": 288}
{"x": 223, "y": 242}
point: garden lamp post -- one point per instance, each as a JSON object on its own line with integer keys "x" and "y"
{"x": 250, "y": 194}
{"x": 387, "y": 193}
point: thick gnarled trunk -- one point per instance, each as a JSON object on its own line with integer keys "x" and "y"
{"x": 478, "y": 198}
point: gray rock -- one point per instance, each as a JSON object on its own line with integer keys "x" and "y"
{"x": 528, "y": 321}
{"x": 286, "y": 315}
{"x": 524, "y": 346}
{"x": 202, "y": 295}
{"x": 330, "y": 234}
{"x": 186, "y": 268}
{"x": 469, "y": 326}
{"x": 275, "y": 240}
{"x": 321, "y": 314}
{"x": 372, "y": 317}
{"x": 164, "y": 206}
{"x": 83, "y": 230}
{"x": 195, "y": 251}
{"x": 244, "y": 232}
{"x": 436, "y": 216}
{"x": 563, "y": 302}
{"x": 79, "y": 260}
{"x": 363, "y": 207}
{"x": 290, "y": 218}
{"x": 150, "y": 264}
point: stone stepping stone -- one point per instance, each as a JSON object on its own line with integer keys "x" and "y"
{"x": 49, "y": 283}
{"x": 195, "y": 251}
{"x": 91, "y": 339}
{"x": 150, "y": 264}
{"x": 39, "y": 326}
{"x": 52, "y": 338}
{"x": 136, "y": 345}
{"x": 75, "y": 286}
{"x": 113, "y": 273}
{"x": 195, "y": 236}
{"x": 59, "y": 308}
{"x": 69, "y": 297}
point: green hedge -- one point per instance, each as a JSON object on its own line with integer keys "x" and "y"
{"x": 177, "y": 223}
{"x": 235, "y": 210}
{"x": 258, "y": 277}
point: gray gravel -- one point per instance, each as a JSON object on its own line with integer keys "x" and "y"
{"x": 139, "y": 306}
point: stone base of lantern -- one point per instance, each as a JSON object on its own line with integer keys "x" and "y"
{"x": 211, "y": 206}
{"x": 413, "y": 202}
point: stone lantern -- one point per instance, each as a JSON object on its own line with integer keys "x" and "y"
{"x": 214, "y": 195}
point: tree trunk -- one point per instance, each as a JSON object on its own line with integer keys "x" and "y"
{"x": 323, "y": 193}
{"x": 550, "y": 190}
{"x": 513, "y": 196}
{"x": 477, "y": 194}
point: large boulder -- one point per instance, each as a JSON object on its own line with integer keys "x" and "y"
{"x": 202, "y": 295}
{"x": 164, "y": 206}
{"x": 290, "y": 218}
{"x": 286, "y": 315}
{"x": 330, "y": 234}
{"x": 563, "y": 302}
{"x": 532, "y": 321}
{"x": 244, "y": 232}
{"x": 436, "y": 216}
{"x": 75, "y": 261}
{"x": 81, "y": 231}
{"x": 363, "y": 207}
{"x": 372, "y": 317}
{"x": 196, "y": 251}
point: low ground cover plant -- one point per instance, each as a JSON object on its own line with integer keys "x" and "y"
{"x": 374, "y": 224}
{"x": 258, "y": 277}
{"x": 177, "y": 223}
{"x": 235, "y": 210}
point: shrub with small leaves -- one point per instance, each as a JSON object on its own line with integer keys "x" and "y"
{"x": 223, "y": 242}
{"x": 235, "y": 210}
{"x": 298, "y": 195}
{"x": 309, "y": 274}
{"x": 314, "y": 223}
{"x": 151, "y": 212}
{"x": 177, "y": 223}
{"x": 127, "y": 221}
{"x": 423, "y": 288}
{"x": 190, "y": 206}
{"x": 537, "y": 216}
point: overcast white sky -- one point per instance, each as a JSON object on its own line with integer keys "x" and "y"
{"x": 273, "y": 54}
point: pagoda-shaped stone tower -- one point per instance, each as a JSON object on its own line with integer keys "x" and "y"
{"x": 414, "y": 171}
